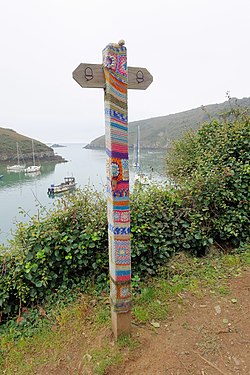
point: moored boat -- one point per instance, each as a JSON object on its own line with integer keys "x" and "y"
{"x": 68, "y": 184}
{"x": 32, "y": 169}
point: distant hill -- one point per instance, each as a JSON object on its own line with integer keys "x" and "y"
{"x": 8, "y": 149}
{"x": 157, "y": 132}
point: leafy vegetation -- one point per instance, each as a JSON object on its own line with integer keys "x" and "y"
{"x": 68, "y": 248}
{"x": 212, "y": 169}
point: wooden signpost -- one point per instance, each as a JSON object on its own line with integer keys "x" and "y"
{"x": 91, "y": 75}
{"x": 115, "y": 78}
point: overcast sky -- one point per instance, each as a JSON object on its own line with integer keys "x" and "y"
{"x": 196, "y": 51}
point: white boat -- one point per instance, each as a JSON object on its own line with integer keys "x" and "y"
{"x": 17, "y": 167}
{"x": 33, "y": 168}
{"x": 68, "y": 184}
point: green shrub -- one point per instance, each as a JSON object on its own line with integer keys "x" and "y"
{"x": 69, "y": 246}
{"x": 152, "y": 228}
{"x": 212, "y": 171}
{"x": 65, "y": 248}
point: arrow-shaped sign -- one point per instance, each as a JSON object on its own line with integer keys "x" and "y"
{"x": 91, "y": 75}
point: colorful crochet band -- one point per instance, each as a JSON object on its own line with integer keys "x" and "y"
{"x": 116, "y": 135}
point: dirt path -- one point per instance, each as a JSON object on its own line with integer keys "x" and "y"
{"x": 206, "y": 336}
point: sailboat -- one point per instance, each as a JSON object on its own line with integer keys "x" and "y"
{"x": 17, "y": 167}
{"x": 140, "y": 178}
{"x": 33, "y": 168}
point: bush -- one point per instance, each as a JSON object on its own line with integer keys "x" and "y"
{"x": 152, "y": 229}
{"x": 69, "y": 246}
{"x": 60, "y": 251}
{"x": 212, "y": 171}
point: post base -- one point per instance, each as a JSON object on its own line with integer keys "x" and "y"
{"x": 121, "y": 323}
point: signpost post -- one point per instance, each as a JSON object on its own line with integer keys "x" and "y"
{"x": 115, "y": 78}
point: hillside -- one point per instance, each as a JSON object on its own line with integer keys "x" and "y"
{"x": 8, "y": 140}
{"x": 157, "y": 132}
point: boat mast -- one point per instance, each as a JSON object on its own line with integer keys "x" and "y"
{"x": 138, "y": 150}
{"x": 33, "y": 152}
{"x": 17, "y": 150}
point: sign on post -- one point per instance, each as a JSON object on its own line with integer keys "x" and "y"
{"x": 116, "y": 78}
{"x": 91, "y": 75}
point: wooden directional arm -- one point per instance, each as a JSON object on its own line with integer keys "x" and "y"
{"x": 91, "y": 76}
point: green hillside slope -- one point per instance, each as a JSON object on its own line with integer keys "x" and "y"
{"x": 8, "y": 150}
{"x": 157, "y": 132}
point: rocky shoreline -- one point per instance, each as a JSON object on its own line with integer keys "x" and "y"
{"x": 45, "y": 156}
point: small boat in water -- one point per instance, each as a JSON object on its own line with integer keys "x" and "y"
{"x": 68, "y": 184}
{"x": 33, "y": 169}
{"x": 1, "y": 176}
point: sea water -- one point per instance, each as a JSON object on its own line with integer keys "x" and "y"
{"x": 22, "y": 195}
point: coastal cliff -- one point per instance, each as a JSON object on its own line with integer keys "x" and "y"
{"x": 9, "y": 139}
{"x": 158, "y": 132}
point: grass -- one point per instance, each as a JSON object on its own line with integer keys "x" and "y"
{"x": 79, "y": 333}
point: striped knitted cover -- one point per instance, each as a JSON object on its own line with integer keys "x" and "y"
{"x": 116, "y": 129}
